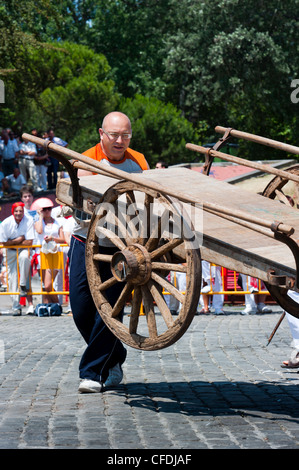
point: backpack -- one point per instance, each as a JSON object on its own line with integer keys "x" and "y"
{"x": 48, "y": 310}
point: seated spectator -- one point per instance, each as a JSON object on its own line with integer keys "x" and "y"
{"x": 5, "y": 189}
{"x": 16, "y": 181}
{"x": 15, "y": 230}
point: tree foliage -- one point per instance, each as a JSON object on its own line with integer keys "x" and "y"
{"x": 190, "y": 64}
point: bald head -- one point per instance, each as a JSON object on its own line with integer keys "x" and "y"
{"x": 115, "y": 118}
{"x": 115, "y": 135}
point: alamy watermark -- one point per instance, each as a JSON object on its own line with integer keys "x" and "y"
{"x": 295, "y": 93}
{"x": 2, "y": 92}
{"x": 126, "y": 221}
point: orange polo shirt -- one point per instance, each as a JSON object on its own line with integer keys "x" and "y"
{"x": 131, "y": 162}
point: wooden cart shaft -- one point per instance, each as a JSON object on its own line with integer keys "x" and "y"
{"x": 241, "y": 231}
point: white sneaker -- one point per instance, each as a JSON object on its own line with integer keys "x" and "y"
{"x": 249, "y": 311}
{"x": 90, "y": 386}
{"x": 262, "y": 308}
{"x": 115, "y": 376}
{"x": 30, "y": 310}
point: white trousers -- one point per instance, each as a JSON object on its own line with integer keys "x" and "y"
{"x": 293, "y": 321}
{"x": 212, "y": 274}
{"x": 249, "y": 298}
{"x": 27, "y": 164}
{"x": 12, "y": 271}
{"x": 41, "y": 175}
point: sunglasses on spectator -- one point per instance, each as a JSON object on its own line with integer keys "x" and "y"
{"x": 47, "y": 209}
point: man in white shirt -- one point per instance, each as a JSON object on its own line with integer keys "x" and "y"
{"x": 15, "y": 230}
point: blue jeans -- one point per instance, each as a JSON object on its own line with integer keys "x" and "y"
{"x": 103, "y": 349}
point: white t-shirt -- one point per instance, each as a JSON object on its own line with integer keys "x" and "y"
{"x": 16, "y": 183}
{"x": 48, "y": 230}
{"x": 9, "y": 229}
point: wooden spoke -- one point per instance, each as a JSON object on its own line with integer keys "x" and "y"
{"x": 168, "y": 286}
{"x": 136, "y": 303}
{"x": 132, "y": 216}
{"x": 127, "y": 290}
{"x": 169, "y": 267}
{"x": 112, "y": 237}
{"x": 102, "y": 257}
{"x": 120, "y": 224}
{"x": 282, "y": 197}
{"x": 149, "y": 311}
{"x": 161, "y": 304}
{"x": 105, "y": 285}
{"x": 147, "y": 217}
{"x": 155, "y": 236}
{"x": 162, "y": 250}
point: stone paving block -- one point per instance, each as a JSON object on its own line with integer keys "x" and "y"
{"x": 218, "y": 387}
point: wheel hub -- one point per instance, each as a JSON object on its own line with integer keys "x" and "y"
{"x": 132, "y": 264}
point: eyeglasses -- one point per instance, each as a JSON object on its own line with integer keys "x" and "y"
{"x": 114, "y": 135}
{"x": 47, "y": 209}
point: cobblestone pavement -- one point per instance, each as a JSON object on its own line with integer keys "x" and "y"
{"x": 218, "y": 387}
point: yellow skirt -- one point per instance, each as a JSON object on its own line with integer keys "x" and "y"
{"x": 52, "y": 260}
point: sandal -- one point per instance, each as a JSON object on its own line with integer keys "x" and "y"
{"x": 205, "y": 311}
{"x": 292, "y": 363}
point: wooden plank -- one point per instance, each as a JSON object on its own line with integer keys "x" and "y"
{"x": 205, "y": 188}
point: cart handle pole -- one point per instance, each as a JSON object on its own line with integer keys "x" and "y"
{"x": 242, "y": 161}
{"x": 259, "y": 140}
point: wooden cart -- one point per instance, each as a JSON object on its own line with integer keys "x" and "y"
{"x": 170, "y": 220}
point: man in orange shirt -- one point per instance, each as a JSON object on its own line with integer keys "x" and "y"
{"x": 100, "y": 365}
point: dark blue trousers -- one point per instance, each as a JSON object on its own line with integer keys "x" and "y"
{"x": 103, "y": 349}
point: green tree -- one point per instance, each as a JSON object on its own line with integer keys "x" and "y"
{"x": 71, "y": 91}
{"x": 233, "y": 61}
{"x": 131, "y": 35}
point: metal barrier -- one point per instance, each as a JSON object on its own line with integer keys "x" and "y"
{"x": 59, "y": 260}
{"x": 53, "y": 261}
{"x": 224, "y": 290}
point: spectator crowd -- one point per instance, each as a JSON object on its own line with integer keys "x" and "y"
{"x": 23, "y": 162}
{"x": 36, "y": 228}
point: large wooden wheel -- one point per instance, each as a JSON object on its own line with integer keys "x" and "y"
{"x": 145, "y": 228}
{"x": 286, "y": 192}
{"x": 283, "y": 189}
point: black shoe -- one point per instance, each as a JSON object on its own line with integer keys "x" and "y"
{"x": 23, "y": 291}
{"x": 17, "y": 313}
